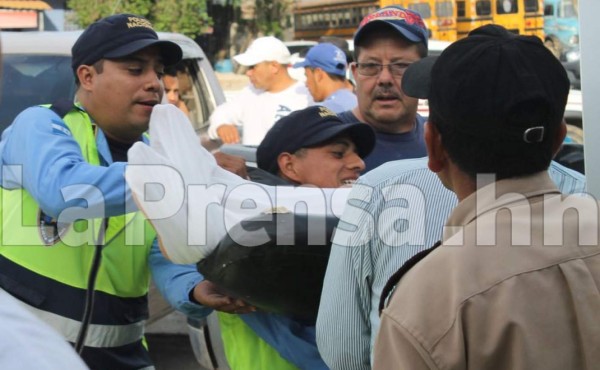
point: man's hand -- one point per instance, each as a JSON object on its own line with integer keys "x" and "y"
{"x": 232, "y": 163}
{"x": 209, "y": 295}
{"x": 229, "y": 134}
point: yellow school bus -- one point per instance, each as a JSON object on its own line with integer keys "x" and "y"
{"x": 471, "y": 14}
{"x": 316, "y": 18}
{"x": 446, "y": 20}
{"x": 523, "y": 17}
{"x": 439, "y": 16}
{"x": 510, "y": 14}
{"x": 534, "y": 18}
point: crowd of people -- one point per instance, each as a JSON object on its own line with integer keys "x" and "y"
{"x": 462, "y": 244}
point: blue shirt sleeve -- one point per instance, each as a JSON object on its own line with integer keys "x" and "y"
{"x": 45, "y": 159}
{"x": 175, "y": 282}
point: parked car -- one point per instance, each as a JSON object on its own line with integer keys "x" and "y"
{"x": 298, "y": 49}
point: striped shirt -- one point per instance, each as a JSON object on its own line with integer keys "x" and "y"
{"x": 392, "y": 213}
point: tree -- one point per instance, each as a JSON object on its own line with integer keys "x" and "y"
{"x": 184, "y": 16}
{"x": 188, "y": 16}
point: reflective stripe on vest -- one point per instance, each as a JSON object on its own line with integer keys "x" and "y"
{"x": 97, "y": 335}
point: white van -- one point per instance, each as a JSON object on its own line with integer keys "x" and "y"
{"x": 37, "y": 70}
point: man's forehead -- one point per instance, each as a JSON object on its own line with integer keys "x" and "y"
{"x": 390, "y": 48}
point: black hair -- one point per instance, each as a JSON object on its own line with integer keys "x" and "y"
{"x": 506, "y": 158}
{"x": 171, "y": 71}
{"x": 336, "y": 77}
{"x": 98, "y": 66}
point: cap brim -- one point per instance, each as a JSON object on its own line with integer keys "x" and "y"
{"x": 247, "y": 59}
{"x": 301, "y": 64}
{"x": 170, "y": 51}
{"x": 361, "y": 134}
{"x": 416, "y": 80}
{"x": 404, "y": 32}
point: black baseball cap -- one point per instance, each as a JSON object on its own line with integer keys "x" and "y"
{"x": 306, "y": 128}
{"x": 118, "y": 36}
{"x": 479, "y": 84}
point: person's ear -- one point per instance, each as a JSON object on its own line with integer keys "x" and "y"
{"x": 274, "y": 66}
{"x": 287, "y": 167}
{"x": 561, "y": 133}
{"x": 353, "y": 68}
{"x": 85, "y": 74}
{"x": 319, "y": 73}
{"x": 435, "y": 150}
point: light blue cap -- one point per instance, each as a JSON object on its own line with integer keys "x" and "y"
{"x": 326, "y": 56}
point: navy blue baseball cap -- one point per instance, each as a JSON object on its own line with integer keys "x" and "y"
{"x": 326, "y": 56}
{"x": 307, "y": 128}
{"x": 118, "y": 36}
{"x": 405, "y": 21}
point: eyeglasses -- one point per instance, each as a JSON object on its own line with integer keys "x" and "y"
{"x": 374, "y": 69}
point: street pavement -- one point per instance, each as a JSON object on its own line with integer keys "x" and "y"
{"x": 169, "y": 344}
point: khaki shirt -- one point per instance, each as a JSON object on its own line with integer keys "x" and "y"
{"x": 502, "y": 295}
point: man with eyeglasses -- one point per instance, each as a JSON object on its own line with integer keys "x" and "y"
{"x": 393, "y": 213}
{"x": 386, "y": 43}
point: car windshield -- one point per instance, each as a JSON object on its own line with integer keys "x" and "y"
{"x": 50, "y": 76}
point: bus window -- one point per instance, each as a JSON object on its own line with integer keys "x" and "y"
{"x": 422, "y": 8}
{"x": 444, "y": 9}
{"x": 460, "y": 9}
{"x": 483, "y": 7}
{"x": 508, "y": 15}
{"x": 531, "y": 6}
{"x": 446, "y": 21}
{"x": 507, "y": 7}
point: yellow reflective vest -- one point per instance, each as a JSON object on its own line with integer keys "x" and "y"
{"x": 46, "y": 265}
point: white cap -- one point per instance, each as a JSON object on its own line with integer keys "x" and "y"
{"x": 264, "y": 49}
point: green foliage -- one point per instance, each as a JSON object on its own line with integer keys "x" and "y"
{"x": 185, "y": 16}
{"x": 87, "y": 12}
{"x": 271, "y": 16}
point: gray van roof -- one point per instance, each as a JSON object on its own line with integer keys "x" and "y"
{"x": 60, "y": 42}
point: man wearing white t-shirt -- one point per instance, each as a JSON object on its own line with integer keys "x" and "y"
{"x": 272, "y": 94}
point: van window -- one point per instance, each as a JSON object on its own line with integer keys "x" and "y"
{"x": 567, "y": 10}
{"x": 30, "y": 80}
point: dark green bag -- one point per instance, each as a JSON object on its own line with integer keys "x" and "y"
{"x": 260, "y": 262}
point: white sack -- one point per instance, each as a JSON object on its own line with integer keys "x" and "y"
{"x": 192, "y": 202}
